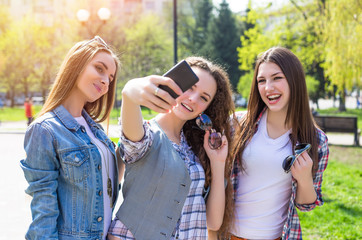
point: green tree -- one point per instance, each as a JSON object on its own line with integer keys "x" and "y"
{"x": 223, "y": 40}
{"x": 343, "y": 49}
{"x": 194, "y": 18}
{"x": 291, "y": 27}
{"x": 17, "y": 51}
{"x": 30, "y": 54}
{"x": 244, "y": 84}
{"x": 146, "y": 48}
{"x": 203, "y": 17}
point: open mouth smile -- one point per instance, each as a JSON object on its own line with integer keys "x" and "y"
{"x": 274, "y": 98}
{"x": 187, "y": 107}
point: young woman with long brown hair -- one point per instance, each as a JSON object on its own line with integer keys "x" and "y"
{"x": 273, "y": 172}
{"x": 71, "y": 164}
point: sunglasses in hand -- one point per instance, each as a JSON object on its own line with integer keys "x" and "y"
{"x": 289, "y": 161}
{"x": 204, "y": 123}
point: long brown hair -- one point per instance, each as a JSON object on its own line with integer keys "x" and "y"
{"x": 73, "y": 65}
{"x": 299, "y": 116}
{"x": 219, "y": 112}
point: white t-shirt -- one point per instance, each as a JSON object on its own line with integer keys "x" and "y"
{"x": 264, "y": 190}
{"x": 106, "y": 163}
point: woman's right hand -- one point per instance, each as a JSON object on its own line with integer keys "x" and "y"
{"x": 142, "y": 91}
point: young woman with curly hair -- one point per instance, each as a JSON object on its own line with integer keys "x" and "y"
{"x": 170, "y": 161}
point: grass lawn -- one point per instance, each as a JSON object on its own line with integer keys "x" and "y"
{"x": 341, "y": 215}
{"x": 15, "y": 114}
{"x": 18, "y": 114}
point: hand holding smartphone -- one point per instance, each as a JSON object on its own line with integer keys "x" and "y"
{"x": 182, "y": 75}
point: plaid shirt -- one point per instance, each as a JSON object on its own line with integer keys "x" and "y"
{"x": 192, "y": 224}
{"x": 291, "y": 228}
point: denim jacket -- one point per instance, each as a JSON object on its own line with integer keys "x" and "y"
{"x": 64, "y": 171}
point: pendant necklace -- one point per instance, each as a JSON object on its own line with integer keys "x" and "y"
{"x": 109, "y": 182}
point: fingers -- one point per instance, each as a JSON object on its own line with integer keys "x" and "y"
{"x": 224, "y": 141}
{"x": 303, "y": 161}
{"x": 146, "y": 92}
{"x": 206, "y": 140}
{"x": 162, "y": 98}
{"x": 166, "y": 81}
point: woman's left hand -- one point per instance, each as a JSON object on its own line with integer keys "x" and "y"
{"x": 302, "y": 168}
{"x": 219, "y": 154}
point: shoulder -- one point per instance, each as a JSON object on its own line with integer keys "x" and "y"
{"x": 47, "y": 123}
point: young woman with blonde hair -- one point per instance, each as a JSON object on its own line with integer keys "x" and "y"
{"x": 70, "y": 162}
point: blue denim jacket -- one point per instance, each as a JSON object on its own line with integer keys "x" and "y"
{"x": 64, "y": 171}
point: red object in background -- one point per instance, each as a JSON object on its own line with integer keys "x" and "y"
{"x": 28, "y": 110}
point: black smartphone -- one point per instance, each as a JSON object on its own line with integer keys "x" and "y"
{"x": 183, "y": 76}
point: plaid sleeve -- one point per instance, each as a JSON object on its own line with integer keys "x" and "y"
{"x": 323, "y": 154}
{"x": 236, "y": 167}
{"x": 133, "y": 151}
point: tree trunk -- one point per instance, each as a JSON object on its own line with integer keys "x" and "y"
{"x": 342, "y": 101}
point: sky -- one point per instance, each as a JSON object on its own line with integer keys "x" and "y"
{"x": 240, "y": 5}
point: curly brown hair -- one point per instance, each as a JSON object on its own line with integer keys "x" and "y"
{"x": 219, "y": 111}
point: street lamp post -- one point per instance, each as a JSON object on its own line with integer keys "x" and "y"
{"x": 175, "y": 30}
{"x": 83, "y": 16}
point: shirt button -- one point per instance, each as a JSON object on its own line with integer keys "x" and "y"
{"x": 100, "y": 193}
{"x": 83, "y": 129}
{"x": 99, "y": 167}
{"x": 99, "y": 219}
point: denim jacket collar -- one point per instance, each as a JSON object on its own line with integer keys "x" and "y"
{"x": 68, "y": 120}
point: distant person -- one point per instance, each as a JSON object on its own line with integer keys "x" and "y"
{"x": 28, "y": 106}
{"x": 1, "y": 104}
{"x": 70, "y": 162}
{"x": 314, "y": 112}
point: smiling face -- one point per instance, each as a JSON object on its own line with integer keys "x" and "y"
{"x": 273, "y": 87}
{"x": 93, "y": 82}
{"x": 196, "y": 100}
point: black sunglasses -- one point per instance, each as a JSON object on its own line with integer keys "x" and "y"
{"x": 204, "y": 122}
{"x": 289, "y": 161}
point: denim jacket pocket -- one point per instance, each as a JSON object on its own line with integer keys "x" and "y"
{"x": 76, "y": 164}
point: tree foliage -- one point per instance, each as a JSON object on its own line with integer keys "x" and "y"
{"x": 343, "y": 50}
{"x": 223, "y": 40}
{"x": 296, "y": 27}
{"x": 146, "y": 48}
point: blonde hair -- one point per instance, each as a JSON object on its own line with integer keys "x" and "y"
{"x": 73, "y": 65}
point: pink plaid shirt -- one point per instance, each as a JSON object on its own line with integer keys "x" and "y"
{"x": 292, "y": 229}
